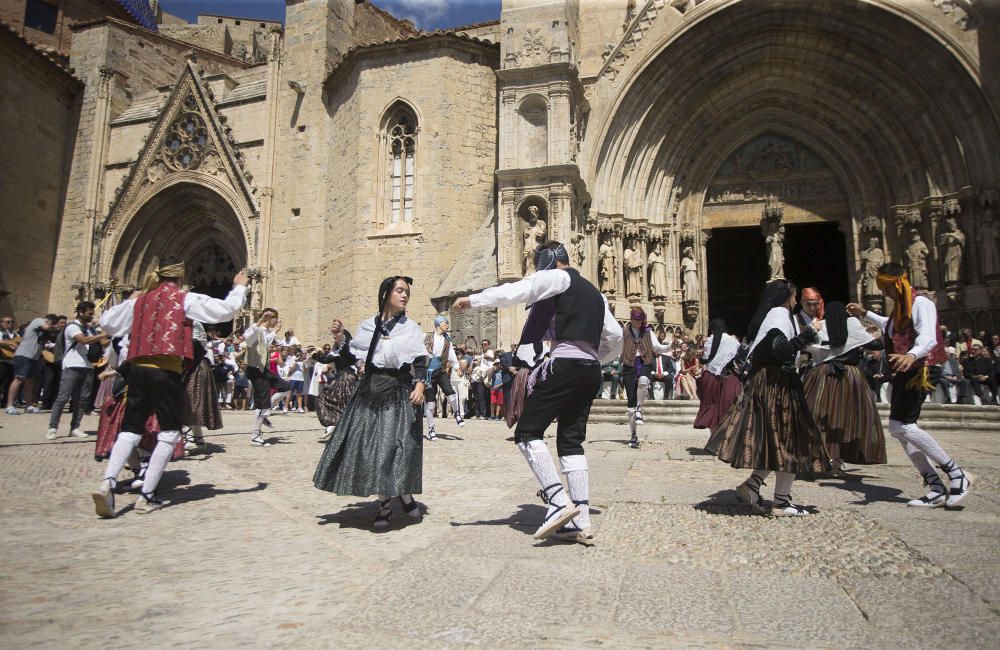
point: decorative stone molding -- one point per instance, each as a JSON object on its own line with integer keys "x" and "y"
{"x": 958, "y": 11}
{"x": 616, "y": 55}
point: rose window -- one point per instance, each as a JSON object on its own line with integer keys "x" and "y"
{"x": 187, "y": 140}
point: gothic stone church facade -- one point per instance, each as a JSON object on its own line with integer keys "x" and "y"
{"x": 685, "y": 150}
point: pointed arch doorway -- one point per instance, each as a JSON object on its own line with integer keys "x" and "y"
{"x": 189, "y": 221}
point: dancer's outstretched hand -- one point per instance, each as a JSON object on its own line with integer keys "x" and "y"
{"x": 856, "y": 310}
{"x": 902, "y": 362}
{"x": 417, "y": 394}
{"x": 241, "y": 279}
{"x": 462, "y": 304}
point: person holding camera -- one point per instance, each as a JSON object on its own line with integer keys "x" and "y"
{"x": 83, "y": 346}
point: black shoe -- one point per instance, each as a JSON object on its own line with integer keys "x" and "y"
{"x": 267, "y": 423}
{"x": 633, "y": 443}
{"x": 383, "y": 514}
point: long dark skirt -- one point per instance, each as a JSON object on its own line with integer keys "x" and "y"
{"x": 716, "y": 395}
{"x": 333, "y": 398}
{"x": 201, "y": 399}
{"x": 845, "y": 412}
{"x": 770, "y": 427}
{"x": 518, "y": 396}
{"x": 377, "y": 447}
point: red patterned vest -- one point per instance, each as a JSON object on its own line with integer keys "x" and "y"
{"x": 903, "y": 338}
{"x": 160, "y": 326}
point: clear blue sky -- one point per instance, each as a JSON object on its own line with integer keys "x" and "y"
{"x": 426, "y": 14}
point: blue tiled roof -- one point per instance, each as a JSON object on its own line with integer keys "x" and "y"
{"x": 141, "y": 11}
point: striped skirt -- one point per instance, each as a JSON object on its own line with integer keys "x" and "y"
{"x": 844, "y": 409}
{"x": 333, "y": 398}
{"x": 770, "y": 427}
{"x": 716, "y": 395}
{"x": 201, "y": 400}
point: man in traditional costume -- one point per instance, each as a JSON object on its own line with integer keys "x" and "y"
{"x": 638, "y": 360}
{"x": 573, "y": 315}
{"x": 159, "y": 324}
{"x": 913, "y": 343}
{"x": 442, "y": 358}
{"x": 259, "y": 337}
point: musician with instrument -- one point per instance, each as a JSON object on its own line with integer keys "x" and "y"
{"x": 26, "y": 365}
{"x": 82, "y": 346}
{"x": 9, "y": 339}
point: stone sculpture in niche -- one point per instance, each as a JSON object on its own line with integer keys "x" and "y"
{"x": 607, "y": 263}
{"x": 952, "y": 242}
{"x": 873, "y": 257}
{"x": 534, "y": 236}
{"x": 657, "y": 274}
{"x": 916, "y": 260}
{"x": 689, "y": 275}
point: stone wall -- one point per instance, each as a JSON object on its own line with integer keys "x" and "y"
{"x": 213, "y": 37}
{"x": 38, "y": 115}
{"x": 452, "y": 88}
{"x": 71, "y": 12}
{"x": 117, "y": 62}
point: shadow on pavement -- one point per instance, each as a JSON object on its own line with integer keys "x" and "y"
{"x": 360, "y": 516}
{"x": 870, "y": 493}
{"x": 527, "y": 518}
{"x": 176, "y": 487}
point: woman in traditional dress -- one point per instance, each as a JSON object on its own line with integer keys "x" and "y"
{"x": 376, "y": 447}
{"x": 718, "y": 386}
{"x": 201, "y": 404}
{"x": 770, "y": 429}
{"x": 336, "y": 392}
{"x": 838, "y": 394}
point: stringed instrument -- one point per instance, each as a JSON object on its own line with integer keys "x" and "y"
{"x": 8, "y": 347}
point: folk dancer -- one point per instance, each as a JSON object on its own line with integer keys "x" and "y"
{"x": 442, "y": 357}
{"x": 639, "y": 351}
{"x": 770, "y": 429}
{"x": 837, "y": 391}
{"x": 159, "y": 322}
{"x": 571, "y": 313}
{"x": 377, "y": 447}
{"x": 912, "y": 342}
{"x": 341, "y": 382}
{"x": 263, "y": 379}
{"x": 718, "y": 385}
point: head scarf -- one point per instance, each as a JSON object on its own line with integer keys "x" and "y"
{"x": 836, "y": 324}
{"x": 776, "y": 293}
{"x": 546, "y": 258}
{"x": 811, "y": 293}
{"x": 157, "y": 275}
{"x": 902, "y": 311}
{"x": 637, "y": 313}
{"x": 440, "y": 318}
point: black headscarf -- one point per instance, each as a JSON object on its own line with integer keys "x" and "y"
{"x": 836, "y": 323}
{"x": 776, "y": 293}
{"x": 717, "y": 328}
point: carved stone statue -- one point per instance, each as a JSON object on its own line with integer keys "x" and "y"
{"x": 916, "y": 260}
{"x": 657, "y": 274}
{"x": 633, "y": 270}
{"x": 607, "y": 263}
{"x": 989, "y": 244}
{"x": 576, "y": 251}
{"x": 689, "y": 275}
{"x": 873, "y": 257}
{"x": 952, "y": 240}
{"x": 776, "y": 253}
{"x": 534, "y": 236}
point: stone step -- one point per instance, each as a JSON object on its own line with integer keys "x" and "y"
{"x": 947, "y": 417}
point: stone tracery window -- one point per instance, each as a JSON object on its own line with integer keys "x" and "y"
{"x": 187, "y": 139}
{"x": 401, "y": 137}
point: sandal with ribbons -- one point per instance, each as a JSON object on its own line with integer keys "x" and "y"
{"x": 557, "y": 515}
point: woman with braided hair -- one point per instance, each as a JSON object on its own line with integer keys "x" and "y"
{"x": 838, "y": 394}
{"x": 376, "y": 447}
{"x": 770, "y": 428}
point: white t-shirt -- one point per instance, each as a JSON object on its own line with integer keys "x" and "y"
{"x": 76, "y": 353}
{"x": 295, "y": 375}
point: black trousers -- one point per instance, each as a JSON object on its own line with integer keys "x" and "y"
{"x": 153, "y": 390}
{"x": 482, "y": 399}
{"x": 439, "y": 378}
{"x": 631, "y": 380}
{"x": 905, "y": 403}
{"x": 567, "y": 395}
{"x": 263, "y": 381}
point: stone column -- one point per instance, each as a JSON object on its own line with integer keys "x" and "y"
{"x": 559, "y": 124}
{"x": 95, "y": 180}
{"x": 508, "y": 239}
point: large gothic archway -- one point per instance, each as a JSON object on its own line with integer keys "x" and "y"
{"x": 190, "y": 221}
{"x": 901, "y": 126}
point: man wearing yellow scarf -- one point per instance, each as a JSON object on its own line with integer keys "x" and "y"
{"x": 911, "y": 341}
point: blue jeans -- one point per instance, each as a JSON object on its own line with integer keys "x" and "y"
{"x": 74, "y": 387}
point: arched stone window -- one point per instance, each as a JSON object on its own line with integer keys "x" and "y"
{"x": 401, "y": 143}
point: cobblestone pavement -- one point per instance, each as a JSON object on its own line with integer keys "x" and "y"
{"x": 250, "y": 554}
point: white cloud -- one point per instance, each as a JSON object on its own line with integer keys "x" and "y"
{"x": 425, "y": 13}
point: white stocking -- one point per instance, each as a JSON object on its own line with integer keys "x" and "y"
{"x": 429, "y": 414}
{"x": 261, "y": 414}
{"x": 631, "y": 421}
{"x": 453, "y": 401}
{"x": 541, "y": 464}
{"x": 277, "y": 397}
{"x": 124, "y": 445}
{"x": 913, "y": 438}
{"x": 158, "y": 461}
{"x": 578, "y": 480}
{"x": 641, "y": 390}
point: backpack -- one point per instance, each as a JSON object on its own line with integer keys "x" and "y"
{"x": 60, "y": 350}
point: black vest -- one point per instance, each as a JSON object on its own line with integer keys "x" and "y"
{"x": 580, "y": 311}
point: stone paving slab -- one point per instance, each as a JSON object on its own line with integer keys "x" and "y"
{"x": 250, "y": 554}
